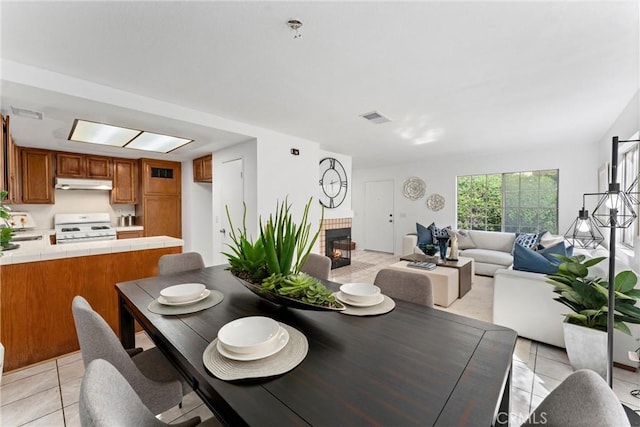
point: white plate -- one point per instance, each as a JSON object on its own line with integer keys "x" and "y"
{"x": 347, "y": 301}
{"x": 282, "y": 340}
{"x": 202, "y": 296}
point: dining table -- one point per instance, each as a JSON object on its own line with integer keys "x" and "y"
{"x": 414, "y": 365}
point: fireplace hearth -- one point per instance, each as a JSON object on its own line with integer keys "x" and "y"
{"x": 338, "y": 246}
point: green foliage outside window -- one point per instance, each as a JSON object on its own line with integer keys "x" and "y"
{"x": 514, "y": 202}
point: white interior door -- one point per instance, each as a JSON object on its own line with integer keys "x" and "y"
{"x": 231, "y": 195}
{"x": 378, "y": 216}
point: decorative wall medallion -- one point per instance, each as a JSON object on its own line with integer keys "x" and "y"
{"x": 435, "y": 202}
{"x": 414, "y": 188}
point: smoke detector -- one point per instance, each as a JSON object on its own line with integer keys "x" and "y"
{"x": 375, "y": 117}
{"x": 295, "y": 25}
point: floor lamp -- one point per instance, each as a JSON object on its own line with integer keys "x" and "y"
{"x": 614, "y": 210}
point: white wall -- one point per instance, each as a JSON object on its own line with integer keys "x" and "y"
{"x": 75, "y": 201}
{"x": 197, "y": 211}
{"x": 577, "y": 174}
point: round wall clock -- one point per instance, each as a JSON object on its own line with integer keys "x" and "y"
{"x": 333, "y": 183}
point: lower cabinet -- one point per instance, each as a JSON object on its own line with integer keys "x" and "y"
{"x": 130, "y": 234}
{"x": 36, "y": 323}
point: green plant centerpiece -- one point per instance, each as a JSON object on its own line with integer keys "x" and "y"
{"x": 588, "y": 297}
{"x": 6, "y": 231}
{"x": 270, "y": 265}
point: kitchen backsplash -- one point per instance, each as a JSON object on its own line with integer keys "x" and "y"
{"x": 75, "y": 201}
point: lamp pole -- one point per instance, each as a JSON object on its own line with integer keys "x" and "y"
{"x": 613, "y": 213}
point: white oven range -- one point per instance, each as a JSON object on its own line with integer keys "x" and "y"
{"x": 86, "y": 227}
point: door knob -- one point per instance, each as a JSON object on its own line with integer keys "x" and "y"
{"x": 222, "y": 230}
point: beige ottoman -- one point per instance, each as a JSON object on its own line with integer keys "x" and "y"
{"x": 444, "y": 282}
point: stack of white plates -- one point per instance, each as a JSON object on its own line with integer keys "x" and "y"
{"x": 186, "y": 293}
{"x": 360, "y": 294}
{"x": 251, "y": 338}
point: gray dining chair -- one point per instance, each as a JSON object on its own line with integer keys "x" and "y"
{"x": 405, "y": 285}
{"x": 582, "y": 399}
{"x": 150, "y": 374}
{"x": 107, "y": 399}
{"x": 318, "y": 266}
{"x": 177, "y": 263}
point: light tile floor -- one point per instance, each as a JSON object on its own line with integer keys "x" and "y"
{"x": 46, "y": 394}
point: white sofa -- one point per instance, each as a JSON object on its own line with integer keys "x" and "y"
{"x": 492, "y": 250}
{"x": 525, "y": 302}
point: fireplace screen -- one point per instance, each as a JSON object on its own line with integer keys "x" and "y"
{"x": 338, "y": 246}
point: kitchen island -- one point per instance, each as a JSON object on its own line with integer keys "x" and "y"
{"x": 39, "y": 279}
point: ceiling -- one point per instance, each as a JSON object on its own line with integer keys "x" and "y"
{"x": 453, "y": 77}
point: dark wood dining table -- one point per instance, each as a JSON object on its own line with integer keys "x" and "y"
{"x": 411, "y": 366}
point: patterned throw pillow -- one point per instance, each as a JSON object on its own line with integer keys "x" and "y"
{"x": 527, "y": 240}
{"x": 440, "y": 233}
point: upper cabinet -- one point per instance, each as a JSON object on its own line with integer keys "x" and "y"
{"x": 125, "y": 181}
{"x": 73, "y": 165}
{"x": 37, "y": 176}
{"x": 160, "y": 177}
{"x": 9, "y": 163}
{"x": 203, "y": 169}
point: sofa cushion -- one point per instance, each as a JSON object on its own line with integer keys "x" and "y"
{"x": 527, "y": 240}
{"x": 488, "y": 256}
{"x": 557, "y": 249}
{"x": 548, "y": 239}
{"x": 525, "y": 259}
{"x": 464, "y": 240}
{"x": 424, "y": 234}
{"x": 493, "y": 240}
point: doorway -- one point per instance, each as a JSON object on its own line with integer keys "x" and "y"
{"x": 378, "y": 216}
{"x": 231, "y": 196}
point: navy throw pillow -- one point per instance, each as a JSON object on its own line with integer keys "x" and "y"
{"x": 525, "y": 259}
{"x": 424, "y": 234}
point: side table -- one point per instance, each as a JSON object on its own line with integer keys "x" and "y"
{"x": 463, "y": 265}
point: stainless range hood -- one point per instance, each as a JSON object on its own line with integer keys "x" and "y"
{"x": 83, "y": 184}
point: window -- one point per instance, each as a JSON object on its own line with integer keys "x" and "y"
{"x": 627, "y": 172}
{"x": 515, "y": 202}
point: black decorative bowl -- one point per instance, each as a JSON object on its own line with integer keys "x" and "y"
{"x": 286, "y": 301}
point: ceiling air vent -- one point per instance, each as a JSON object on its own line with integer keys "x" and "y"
{"x": 375, "y": 117}
{"x": 23, "y": 112}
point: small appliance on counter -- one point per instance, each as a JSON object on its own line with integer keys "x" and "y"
{"x": 23, "y": 226}
{"x": 87, "y": 227}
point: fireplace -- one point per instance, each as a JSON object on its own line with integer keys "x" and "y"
{"x": 338, "y": 246}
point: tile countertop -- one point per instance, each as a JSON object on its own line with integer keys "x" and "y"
{"x": 42, "y": 250}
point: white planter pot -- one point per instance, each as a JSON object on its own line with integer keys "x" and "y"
{"x": 586, "y": 348}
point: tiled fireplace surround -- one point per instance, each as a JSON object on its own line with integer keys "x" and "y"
{"x": 331, "y": 224}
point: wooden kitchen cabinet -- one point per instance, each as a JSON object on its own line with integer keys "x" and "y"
{"x": 130, "y": 234}
{"x": 125, "y": 181}
{"x": 74, "y": 165}
{"x": 9, "y": 164}
{"x": 203, "y": 169}
{"x": 160, "y": 201}
{"x": 35, "y": 303}
{"x": 37, "y": 176}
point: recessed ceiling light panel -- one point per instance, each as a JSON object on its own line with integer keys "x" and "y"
{"x": 116, "y": 136}
{"x": 23, "y": 112}
{"x": 99, "y": 133}
{"x": 155, "y": 142}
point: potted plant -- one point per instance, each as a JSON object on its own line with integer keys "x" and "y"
{"x": 270, "y": 265}
{"x": 585, "y": 328}
{"x": 6, "y": 231}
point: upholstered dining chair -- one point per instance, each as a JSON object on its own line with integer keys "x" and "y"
{"x": 107, "y": 399}
{"x": 318, "y": 266}
{"x": 150, "y": 374}
{"x": 405, "y": 285}
{"x": 582, "y": 399}
{"x": 176, "y": 263}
